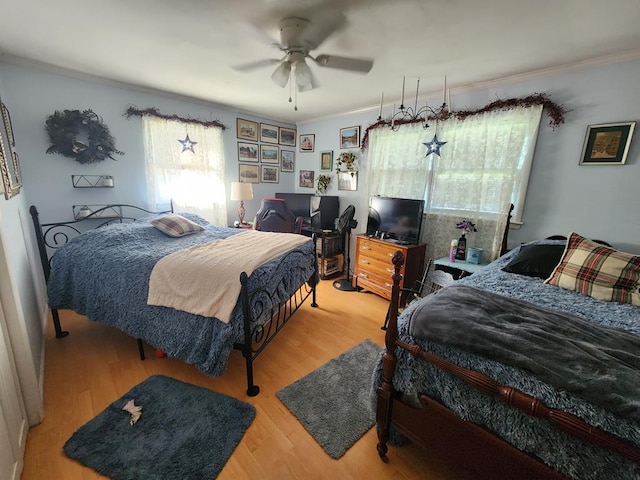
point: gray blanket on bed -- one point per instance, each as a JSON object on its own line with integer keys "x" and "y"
{"x": 563, "y": 350}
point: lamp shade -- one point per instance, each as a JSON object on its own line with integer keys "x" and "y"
{"x": 281, "y": 74}
{"x": 241, "y": 191}
{"x": 303, "y": 74}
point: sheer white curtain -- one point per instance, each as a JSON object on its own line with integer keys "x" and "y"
{"x": 483, "y": 168}
{"x": 194, "y": 180}
{"x": 396, "y": 162}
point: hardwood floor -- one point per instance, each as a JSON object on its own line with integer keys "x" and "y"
{"x": 96, "y": 364}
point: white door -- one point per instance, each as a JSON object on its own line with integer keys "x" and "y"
{"x": 13, "y": 419}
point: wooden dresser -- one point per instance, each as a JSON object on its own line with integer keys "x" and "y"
{"x": 373, "y": 268}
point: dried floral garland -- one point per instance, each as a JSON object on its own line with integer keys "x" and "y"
{"x": 154, "y": 112}
{"x": 554, "y": 111}
{"x": 64, "y": 128}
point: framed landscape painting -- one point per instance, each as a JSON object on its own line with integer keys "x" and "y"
{"x": 246, "y": 129}
{"x": 287, "y": 160}
{"x": 269, "y": 174}
{"x": 249, "y": 173}
{"x": 350, "y": 137}
{"x": 269, "y": 154}
{"x": 287, "y": 137}
{"x": 268, "y": 133}
{"x": 247, "y": 152}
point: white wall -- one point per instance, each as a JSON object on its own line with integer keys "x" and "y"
{"x": 595, "y": 201}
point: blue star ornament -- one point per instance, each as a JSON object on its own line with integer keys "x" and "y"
{"x": 187, "y": 144}
{"x": 434, "y": 146}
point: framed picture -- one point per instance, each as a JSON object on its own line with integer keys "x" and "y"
{"x": 287, "y": 160}
{"x": 249, "y": 173}
{"x": 350, "y": 137}
{"x": 287, "y": 137}
{"x": 307, "y": 142}
{"x": 326, "y": 160}
{"x": 269, "y": 174}
{"x": 246, "y": 129}
{"x": 348, "y": 181}
{"x": 247, "y": 152}
{"x": 268, "y": 133}
{"x": 607, "y": 143}
{"x": 306, "y": 178}
{"x": 10, "y": 176}
{"x": 269, "y": 154}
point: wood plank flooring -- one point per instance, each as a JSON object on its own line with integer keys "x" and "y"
{"x": 96, "y": 364}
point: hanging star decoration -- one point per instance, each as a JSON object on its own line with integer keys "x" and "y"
{"x": 434, "y": 146}
{"x": 188, "y": 144}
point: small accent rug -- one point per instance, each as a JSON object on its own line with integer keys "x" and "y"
{"x": 185, "y": 432}
{"x": 333, "y": 401}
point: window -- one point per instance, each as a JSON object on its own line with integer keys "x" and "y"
{"x": 483, "y": 167}
{"x": 185, "y": 163}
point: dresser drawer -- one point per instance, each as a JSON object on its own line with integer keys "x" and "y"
{"x": 379, "y": 250}
{"x": 374, "y": 264}
{"x": 371, "y": 284}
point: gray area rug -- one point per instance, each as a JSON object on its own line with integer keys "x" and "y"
{"x": 333, "y": 401}
{"x": 185, "y": 432}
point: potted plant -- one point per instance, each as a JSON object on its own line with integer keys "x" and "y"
{"x": 347, "y": 163}
{"x": 323, "y": 183}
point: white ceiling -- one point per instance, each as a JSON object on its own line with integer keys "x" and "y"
{"x": 188, "y": 47}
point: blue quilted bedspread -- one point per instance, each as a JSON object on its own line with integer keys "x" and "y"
{"x": 104, "y": 274}
{"x": 562, "y": 452}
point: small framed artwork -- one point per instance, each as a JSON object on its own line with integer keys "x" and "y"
{"x": 269, "y": 174}
{"x": 607, "y": 143}
{"x": 348, "y": 181}
{"x": 268, "y": 133}
{"x": 307, "y": 142}
{"x": 326, "y": 160}
{"x": 249, "y": 173}
{"x": 287, "y": 137}
{"x": 247, "y": 152}
{"x": 246, "y": 129}
{"x": 350, "y": 137}
{"x": 306, "y": 178}
{"x": 287, "y": 160}
{"x": 269, "y": 154}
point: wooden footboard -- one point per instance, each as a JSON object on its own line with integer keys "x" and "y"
{"x": 422, "y": 425}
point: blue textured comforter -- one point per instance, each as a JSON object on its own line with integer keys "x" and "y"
{"x": 559, "y": 450}
{"x": 104, "y": 274}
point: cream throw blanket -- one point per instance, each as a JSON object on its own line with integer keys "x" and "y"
{"x": 205, "y": 279}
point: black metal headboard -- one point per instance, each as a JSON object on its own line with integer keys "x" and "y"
{"x": 51, "y": 236}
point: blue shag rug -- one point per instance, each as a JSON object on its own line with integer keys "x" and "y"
{"x": 333, "y": 402}
{"x": 185, "y": 432}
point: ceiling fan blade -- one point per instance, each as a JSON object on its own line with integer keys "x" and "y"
{"x": 280, "y": 75}
{"x": 247, "y": 67}
{"x": 324, "y": 23}
{"x": 361, "y": 65}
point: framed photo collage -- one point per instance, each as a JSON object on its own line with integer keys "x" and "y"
{"x": 264, "y": 151}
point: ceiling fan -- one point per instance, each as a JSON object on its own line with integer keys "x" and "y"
{"x": 298, "y": 37}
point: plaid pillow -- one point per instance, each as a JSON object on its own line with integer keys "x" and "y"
{"x": 598, "y": 271}
{"x": 175, "y": 225}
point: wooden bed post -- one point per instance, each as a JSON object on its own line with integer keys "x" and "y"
{"x": 389, "y": 359}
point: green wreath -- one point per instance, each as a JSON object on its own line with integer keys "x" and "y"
{"x": 64, "y": 127}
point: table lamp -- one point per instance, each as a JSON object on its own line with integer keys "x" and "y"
{"x": 241, "y": 191}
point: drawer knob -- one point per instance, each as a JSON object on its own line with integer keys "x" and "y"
{"x": 366, "y": 248}
{"x": 391, "y": 254}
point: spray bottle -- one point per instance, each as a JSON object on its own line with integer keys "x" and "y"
{"x": 452, "y": 250}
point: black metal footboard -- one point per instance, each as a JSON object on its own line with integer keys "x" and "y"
{"x": 270, "y": 317}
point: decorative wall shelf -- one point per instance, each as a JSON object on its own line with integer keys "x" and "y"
{"x": 96, "y": 211}
{"x": 92, "y": 181}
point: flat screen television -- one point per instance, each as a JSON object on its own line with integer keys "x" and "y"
{"x": 395, "y": 219}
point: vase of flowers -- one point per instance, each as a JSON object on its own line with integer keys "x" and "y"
{"x": 466, "y": 226}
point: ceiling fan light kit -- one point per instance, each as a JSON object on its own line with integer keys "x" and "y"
{"x": 298, "y": 36}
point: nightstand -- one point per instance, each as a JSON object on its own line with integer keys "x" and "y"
{"x": 459, "y": 268}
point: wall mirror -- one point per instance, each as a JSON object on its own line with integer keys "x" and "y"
{"x": 9, "y": 162}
